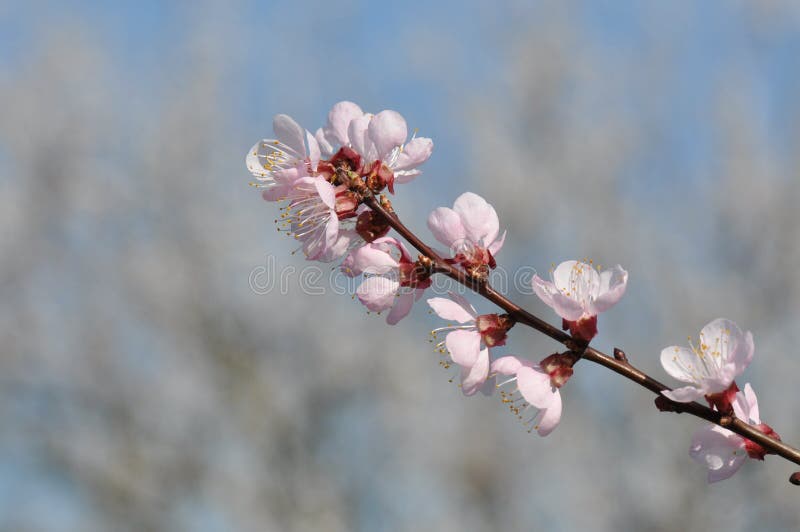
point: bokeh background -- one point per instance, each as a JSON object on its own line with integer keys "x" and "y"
{"x": 144, "y": 386}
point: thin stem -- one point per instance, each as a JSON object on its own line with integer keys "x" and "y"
{"x": 621, "y": 367}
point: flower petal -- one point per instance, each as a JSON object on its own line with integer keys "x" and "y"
{"x": 445, "y": 224}
{"x": 687, "y": 394}
{"x": 478, "y": 218}
{"x": 357, "y": 131}
{"x": 387, "y": 131}
{"x": 370, "y": 258}
{"x": 548, "y": 418}
{"x": 402, "y": 306}
{"x": 612, "y": 287}
{"x": 719, "y": 450}
{"x": 415, "y": 152}
{"x": 495, "y": 246}
{"x": 377, "y": 293}
{"x": 290, "y": 133}
{"x": 566, "y": 307}
{"x": 679, "y": 362}
{"x": 464, "y": 346}
{"x": 313, "y": 150}
{"x": 473, "y": 378}
{"x": 450, "y": 310}
{"x": 325, "y": 190}
{"x": 535, "y": 386}
{"x": 339, "y": 118}
{"x": 325, "y": 145}
{"x": 745, "y": 406}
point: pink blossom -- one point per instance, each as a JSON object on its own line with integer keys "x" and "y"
{"x": 394, "y": 280}
{"x": 722, "y": 354}
{"x": 469, "y": 342}
{"x": 378, "y": 140}
{"x": 723, "y": 452}
{"x": 578, "y": 294}
{"x": 470, "y": 231}
{"x": 278, "y": 163}
{"x": 534, "y": 398}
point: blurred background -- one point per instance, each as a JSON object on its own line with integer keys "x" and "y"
{"x": 144, "y": 386}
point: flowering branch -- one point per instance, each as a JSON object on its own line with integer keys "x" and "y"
{"x": 619, "y": 365}
{"x": 332, "y": 183}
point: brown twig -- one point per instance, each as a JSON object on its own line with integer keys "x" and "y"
{"x": 617, "y": 364}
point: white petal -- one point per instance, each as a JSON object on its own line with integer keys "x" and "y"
{"x": 687, "y": 394}
{"x": 549, "y": 418}
{"x": 290, "y": 133}
{"x": 680, "y": 363}
{"x": 415, "y": 152}
{"x": 450, "y": 310}
{"x": 535, "y": 386}
{"x": 313, "y": 150}
{"x": 612, "y": 287}
{"x": 473, "y": 378}
{"x": 464, "y": 346}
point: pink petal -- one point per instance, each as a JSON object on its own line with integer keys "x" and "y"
{"x": 387, "y": 131}
{"x": 450, "y": 310}
{"x": 548, "y": 419}
{"x": 377, "y": 293}
{"x": 339, "y": 247}
{"x": 415, "y": 152}
{"x": 445, "y": 224}
{"x": 339, "y": 119}
{"x": 612, "y": 287}
{"x": 464, "y": 347}
{"x": 687, "y": 394}
{"x": 509, "y": 365}
{"x": 402, "y": 306}
{"x": 535, "y": 386}
{"x": 474, "y": 377}
{"x": 372, "y": 259}
{"x": 478, "y": 218}
{"x": 290, "y": 133}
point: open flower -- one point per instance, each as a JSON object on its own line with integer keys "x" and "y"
{"x": 469, "y": 342}
{"x": 722, "y": 354}
{"x": 375, "y": 145}
{"x": 723, "y": 452}
{"x": 578, "y": 294}
{"x": 470, "y": 231}
{"x": 534, "y": 397}
{"x": 278, "y": 163}
{"x": 313, "y": 215}
{"x": 394, "y": 281}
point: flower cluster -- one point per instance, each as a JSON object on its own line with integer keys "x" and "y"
{"x": 722, "y": 353}
{"x": 331, "y": 183}
{"x": 324, "y": 177}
